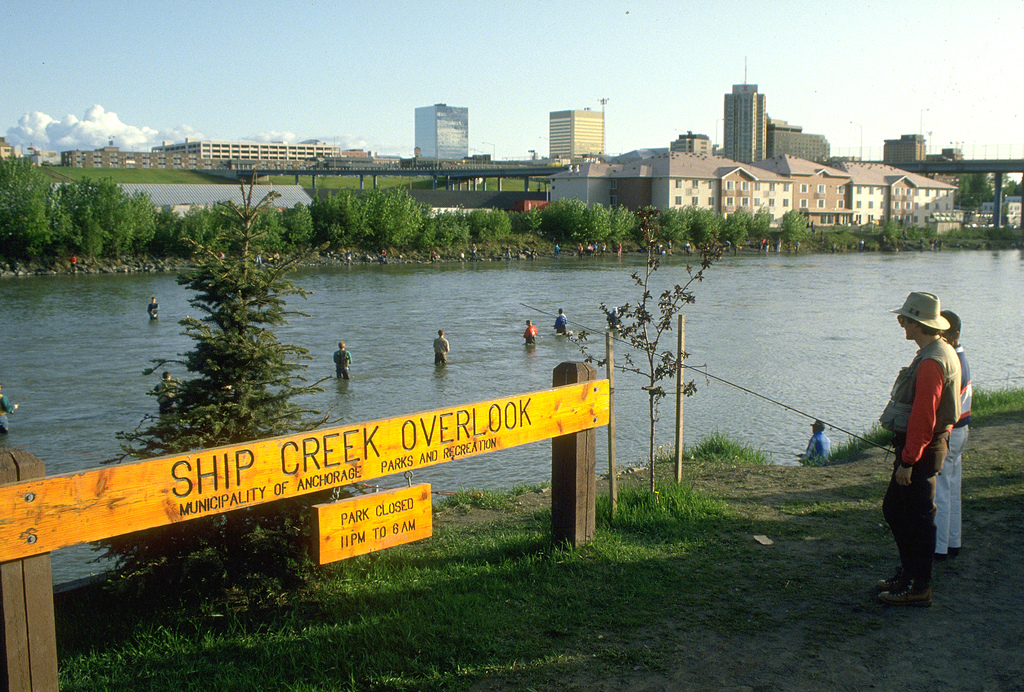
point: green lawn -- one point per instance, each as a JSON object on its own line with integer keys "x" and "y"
{"x": 133, "y": 175}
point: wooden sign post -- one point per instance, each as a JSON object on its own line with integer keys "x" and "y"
{"x": 28, "y": 635}
{"x": 39, "y": 514}
{"x": 574, "y": 471}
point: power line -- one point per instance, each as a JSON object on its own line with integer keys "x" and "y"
{"x": 702, "y": 369}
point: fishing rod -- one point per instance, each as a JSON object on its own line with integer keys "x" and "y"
{"x": 702, "y": 369}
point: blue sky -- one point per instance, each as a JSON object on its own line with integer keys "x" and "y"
{"x": 77, "y": 72}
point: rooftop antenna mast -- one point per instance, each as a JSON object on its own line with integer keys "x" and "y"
{"x": 604, "y": 148}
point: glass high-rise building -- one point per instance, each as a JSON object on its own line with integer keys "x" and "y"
{"x": 442, "y": 132}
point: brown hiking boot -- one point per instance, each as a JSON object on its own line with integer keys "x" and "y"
{"x": 907, "y": 596}
{"x": 893, "y": 583}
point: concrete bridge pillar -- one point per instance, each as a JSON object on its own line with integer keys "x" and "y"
{"x": 997, "y": 203}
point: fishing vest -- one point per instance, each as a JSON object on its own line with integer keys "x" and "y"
{"x": 896, "y": 416}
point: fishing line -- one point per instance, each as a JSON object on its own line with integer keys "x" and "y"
{"x": 706, "y": 374}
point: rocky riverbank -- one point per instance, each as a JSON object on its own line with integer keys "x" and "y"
{"x": 173, "y": 264}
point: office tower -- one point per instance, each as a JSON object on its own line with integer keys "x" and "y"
{"x": 784, "y": 138}
{"x": 906, "y": 148}
{"x": 691, "y": 144}
{"x": 746, "y": 124}
{"x": 442, "y": 132}
{"x": 575, "y": 134}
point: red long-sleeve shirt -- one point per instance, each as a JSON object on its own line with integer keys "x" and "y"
{"x": 927, "y": 392}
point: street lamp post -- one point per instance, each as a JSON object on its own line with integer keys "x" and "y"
{"x": 861, "y": 138}
{"x": 494, "y": 150}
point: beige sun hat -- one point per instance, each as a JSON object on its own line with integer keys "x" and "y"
{"x": 923, "y": 308}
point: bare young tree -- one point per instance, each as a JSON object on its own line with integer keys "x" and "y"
{"x": 642, "y": 325}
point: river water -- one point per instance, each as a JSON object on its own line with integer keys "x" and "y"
{"x": 810, "y": 331}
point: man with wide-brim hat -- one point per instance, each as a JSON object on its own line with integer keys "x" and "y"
{"x": 923, "y": 405}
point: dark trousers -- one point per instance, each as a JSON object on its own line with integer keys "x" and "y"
{"x": 909, "y": 510}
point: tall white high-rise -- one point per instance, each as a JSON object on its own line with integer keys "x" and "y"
{"x": 746, "y": 124}
{"x": 442, "y": 132}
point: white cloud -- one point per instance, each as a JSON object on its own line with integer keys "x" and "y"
{"x": 97, "y": 128}
{"x": 273, "y": 136}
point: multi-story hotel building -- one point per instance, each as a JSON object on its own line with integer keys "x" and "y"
{"x": 820, "y": 192}
{"x": 746, "y": 124}
{"x": 854, "y": 193}
{"x": 882, "y": 192}
{"x": 575, "y": 135}
{"x": 442, "y": 132}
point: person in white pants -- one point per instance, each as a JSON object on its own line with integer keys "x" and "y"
{"x": 947, "y": 483}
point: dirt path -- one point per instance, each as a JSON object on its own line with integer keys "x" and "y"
{"x": 841, "y": 637}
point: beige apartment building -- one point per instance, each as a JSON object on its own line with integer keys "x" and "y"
{"x": 111, "y": 157}
{"x": 855, "y": 194}
{"x": 575, "y": 135}
{"x": 881, "y": 192}
{"x": 6, "y": 150}
{"x": 675, "y": 180}
{"x": 819, "y": 192}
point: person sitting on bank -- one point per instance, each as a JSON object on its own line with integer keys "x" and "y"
{"x": 561, "y": 322}
{"x": 530, "y": 335}
{"x": 613, "y": 319}
{"x": 166, "y": 393}
{"x": 342, "y": 361}
{"x": 819, "y": 446}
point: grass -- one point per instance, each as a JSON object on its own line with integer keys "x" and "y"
{"x": 488, "y": 499}
{"x": 346, "y": 182}
{"x": 991, "y": 402}
{"x": 719, "y": 447}
{"x": 65, "y": 174}
{"x": 132, "y": 175}
{"x": 985, "y": 402}
{"x": 498, "y": 605}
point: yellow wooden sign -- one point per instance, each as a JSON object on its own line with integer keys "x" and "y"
{"x": 372, "y": 522}
{"x": 42, "y": 515}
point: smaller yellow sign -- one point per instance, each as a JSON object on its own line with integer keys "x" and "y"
{"x": 369, "y": 523}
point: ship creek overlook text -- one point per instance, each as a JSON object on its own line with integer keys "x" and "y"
{"x": 43, "y": 514}
{"x": 219, "y": 481}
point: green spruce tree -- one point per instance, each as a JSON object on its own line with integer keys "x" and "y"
{"x": 242, "y": 386}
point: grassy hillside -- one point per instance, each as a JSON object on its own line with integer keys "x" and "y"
{"x": 65, "y": 174}
{"x": 352, "y": 183}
